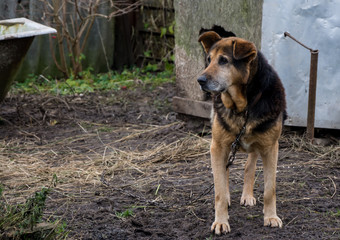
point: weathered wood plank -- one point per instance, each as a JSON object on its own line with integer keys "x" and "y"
{"x": 192, "y": 107}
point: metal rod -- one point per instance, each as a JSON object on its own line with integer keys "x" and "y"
{"x": 287, "y": 34}
{"x": 313, "y": 72}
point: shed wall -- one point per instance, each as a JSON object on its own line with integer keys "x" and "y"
{"x": 316, "y": 23}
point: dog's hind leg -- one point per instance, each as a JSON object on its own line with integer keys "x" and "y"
{"x": 269, "y": 158}
{"x": 247, "y": 198}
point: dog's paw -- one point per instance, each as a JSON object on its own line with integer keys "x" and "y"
{"x": 220, "y": 227}
{"x": 273, "y": 222}
{"x": 248, "y": 201}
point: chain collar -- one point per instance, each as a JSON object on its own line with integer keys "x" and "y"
{"x": 235, "y": 146}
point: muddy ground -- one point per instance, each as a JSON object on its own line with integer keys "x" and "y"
{"x": 127, "y": 168}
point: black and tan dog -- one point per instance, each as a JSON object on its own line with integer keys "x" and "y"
{"x": 248, "y": 93}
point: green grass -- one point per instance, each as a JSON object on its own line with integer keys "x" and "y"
{"x": 335, "y": 214}
{"x": 125, "y": 214}
{"x": 24, "y": 221}
{"x": 90, "y": 82}
{"x": 128, "y": 212}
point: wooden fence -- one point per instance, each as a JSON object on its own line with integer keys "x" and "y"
{"x": 145, "y": 36}
{"x": 137, "y": 38}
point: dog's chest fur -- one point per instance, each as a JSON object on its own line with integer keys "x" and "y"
{"x": 233, "y": 122}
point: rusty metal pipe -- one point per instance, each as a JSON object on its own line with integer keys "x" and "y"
{"x": 312, "y": 93}
{"x": 313, "y": 72}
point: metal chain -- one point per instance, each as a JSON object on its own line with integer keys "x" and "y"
{"x": 235, "y": 146}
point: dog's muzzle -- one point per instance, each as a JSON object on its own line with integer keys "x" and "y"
{"x": 208, "y": 85}
{"x": 202, "y": 80}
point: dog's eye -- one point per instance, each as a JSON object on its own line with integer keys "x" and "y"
{"x": 222, "y": 60}
{"x": 208, "y": 59}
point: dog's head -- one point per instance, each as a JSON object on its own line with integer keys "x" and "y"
{"x": 228, "y": 62}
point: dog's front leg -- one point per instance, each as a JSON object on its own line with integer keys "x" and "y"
{"x": 269, "y": 158}
{"x": 221, "y": 183}
{"x": 247, "y": 198}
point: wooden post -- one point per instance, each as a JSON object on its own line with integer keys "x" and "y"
{"x": 312, "y": 93}
{"x": 191, "y": 17}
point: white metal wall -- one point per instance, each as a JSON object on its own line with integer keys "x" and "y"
{"x": 316, "y": 23}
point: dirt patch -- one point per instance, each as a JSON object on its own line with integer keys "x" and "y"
{"x": 128, "y": 169}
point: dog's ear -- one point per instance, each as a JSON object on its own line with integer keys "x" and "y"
{"x": 243, "y": 49}
{"x": 208, "y": 39}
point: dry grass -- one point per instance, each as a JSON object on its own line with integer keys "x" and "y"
{"x": 81, "y": 160}
{"x": 153, "y": 165}
{"x": 321, "y": 156}
{"x": 87, "y": 159}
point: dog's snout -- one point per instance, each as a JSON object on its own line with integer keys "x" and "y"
{"x": 202, "y": 79}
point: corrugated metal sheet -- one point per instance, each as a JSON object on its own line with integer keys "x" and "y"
{"x": 316, "y": 23}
